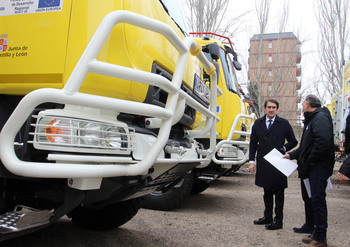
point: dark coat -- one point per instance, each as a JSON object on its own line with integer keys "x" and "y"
{"x": 262, "y": 141}
{"x": 345, "y": 167}
{"x": 347, "y": 135}
{"x": 317, "y": 143}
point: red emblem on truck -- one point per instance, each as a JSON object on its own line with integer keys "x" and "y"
{"x": 3, "y": 44}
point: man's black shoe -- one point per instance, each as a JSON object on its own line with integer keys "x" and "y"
{"x": 304, "y": 229}
{"x": 262, "y": 221}
{"x": 274, "y": 226}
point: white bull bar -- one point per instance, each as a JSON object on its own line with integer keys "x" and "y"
{"x": 229, "y": 141}
{"x": 70, "y": 95}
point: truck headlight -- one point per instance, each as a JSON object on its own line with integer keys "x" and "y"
{"x": 228, "y": 151}
{"x": 102, "y": 135}
{"x": 79, "y": 135}
{"x": 57, "y": 131}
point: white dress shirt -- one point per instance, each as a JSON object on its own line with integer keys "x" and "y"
{"x": 267, "y": 121}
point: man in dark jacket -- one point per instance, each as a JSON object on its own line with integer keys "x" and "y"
{"x": 269, "y": 132}
{"x": 315, "y": 157}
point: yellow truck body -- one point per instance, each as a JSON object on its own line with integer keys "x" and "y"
{"x": 229, "y": 104}
{"x": 44, "y": 47}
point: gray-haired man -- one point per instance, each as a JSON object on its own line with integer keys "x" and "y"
{"x": 315, "y": 157}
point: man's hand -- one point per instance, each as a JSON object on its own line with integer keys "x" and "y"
{"x": 282, "y": 150}
{"x": 286, "y": 156}
{"x": 252, "y": 167}
{"x": 342, "y": 177}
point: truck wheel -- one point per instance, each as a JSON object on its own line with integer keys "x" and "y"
{"x": 171, "y": 198}
{"x": 199, "y": 186}
{"x": 108, "y": 217}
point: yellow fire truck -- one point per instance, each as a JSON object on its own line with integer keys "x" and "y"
{"x": 340, "y": 109}
{"x": 97, "y": 109}
{"x": 234, "y": 129}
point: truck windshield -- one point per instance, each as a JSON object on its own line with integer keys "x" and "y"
{"x": 230, "y": 75}
{"x": 176, "y": 12}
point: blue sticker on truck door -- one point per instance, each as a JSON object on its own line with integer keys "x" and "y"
{"x": 20, "y": 7}
{"x": 48, "y": 3}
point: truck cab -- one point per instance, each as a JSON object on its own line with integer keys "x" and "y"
{"x": 236, "y": 121}
{"x": 95, "y": 102}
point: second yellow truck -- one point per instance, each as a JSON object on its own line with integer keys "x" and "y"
{"x": 233, "y": 130}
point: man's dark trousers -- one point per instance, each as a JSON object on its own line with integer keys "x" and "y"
{"x": 318, "y": 176}
{"x": 279, "y": 201}
{"x": 309, "y": 215}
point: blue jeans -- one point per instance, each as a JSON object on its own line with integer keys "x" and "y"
{"x": 318, "y": 176}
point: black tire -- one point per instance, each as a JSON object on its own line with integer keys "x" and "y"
{"x": 199, "y": 186}
{"x": 170, "y": 199}
{"x": 108, "y": 217}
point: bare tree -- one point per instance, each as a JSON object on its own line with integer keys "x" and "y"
{"x": 262, "y": 10}
{"x": 211, "y": 16}
{"x": 334, "y": 33}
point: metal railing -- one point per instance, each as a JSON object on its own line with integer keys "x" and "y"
{"x": 229, "y": 141}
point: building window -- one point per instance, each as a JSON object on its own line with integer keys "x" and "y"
{"x": 270, "y": 73}
{"x": 269, "y": 88}
{"x": 270, "y": 59}
{"x": 270, "y": 44}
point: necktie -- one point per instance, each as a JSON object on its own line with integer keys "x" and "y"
{"x": 270, "y": 123}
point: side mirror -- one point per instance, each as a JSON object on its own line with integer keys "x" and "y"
{"x": 236, "y": 64}
{"x": 214, "y": 51}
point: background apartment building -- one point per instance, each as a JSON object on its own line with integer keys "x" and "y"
{"x": 274, "y": 72}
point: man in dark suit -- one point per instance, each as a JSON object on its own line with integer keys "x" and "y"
{"x": 269, "y": 132}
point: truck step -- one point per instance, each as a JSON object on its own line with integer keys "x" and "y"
{"x": 23, "y": 218}
{"x": 208, "y": 177}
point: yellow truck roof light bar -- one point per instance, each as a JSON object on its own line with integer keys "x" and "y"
{"x": 70, "y": 95}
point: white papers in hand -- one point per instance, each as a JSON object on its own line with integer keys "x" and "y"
{"x": 285, "y": 166}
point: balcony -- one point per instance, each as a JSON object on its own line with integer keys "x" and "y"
{"x": 298, "y": 85}
{"x": 298, "y": 57}
{"x": 298, "y": 99}
{"x": 298, "y": 71}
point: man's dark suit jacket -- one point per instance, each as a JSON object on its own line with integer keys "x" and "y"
{"x": 262, "y": 141}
